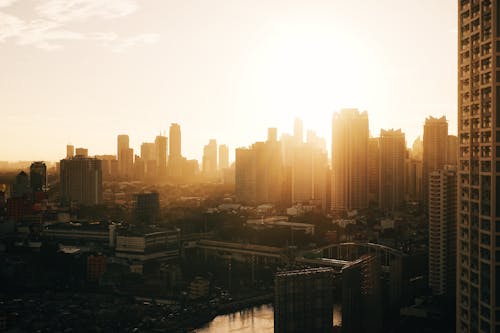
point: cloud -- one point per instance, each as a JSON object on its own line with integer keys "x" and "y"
{"x": 50, "y": 29}
{"x": 135, "y": 40}
{"x": 82, "y": 10}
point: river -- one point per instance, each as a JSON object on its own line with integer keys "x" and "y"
{"x": 252, "y": 320}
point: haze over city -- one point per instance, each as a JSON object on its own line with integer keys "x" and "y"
{"x": 83, "y": 73}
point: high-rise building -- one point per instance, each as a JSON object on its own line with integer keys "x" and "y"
{"x": 452, "y": 150}
{"x": 70, "y": 151}
{"x": 223, "y": 157}
{"x": 245, "y": 175}
{"x": 175, "y": 140}
{"x": 443, "y": 231}
{"x": 373, "y": 165}
{"x": 147, "y": 207}
{"x": 175, "y": 159}
{"x": 298, "y": 131}
{"x": 121, "y": 151}
{"x": 272, "y": 134}
{"x": 478, "y": 265}
{"x": 161, "y": 143}
{"x": 316, "y": 141}
{"x": 309, "y": 170}
{"x": 107, "y": 162}
{"x": 349, "y": 160}
{"x": 392, "y": 170}
{"x": 84, "y": 152}
{"x": 434, "y": 153}
{"x": 148, "y": 151}
{"x": 81, "y": 180}
{"x": 304, "y": 300}
{"x": 413, "y": 181}
{"x": 38, "y": 176}
{"x": 210, "y": 159}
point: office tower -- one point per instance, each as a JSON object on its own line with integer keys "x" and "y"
{"x": 413, "y": 182}
{"x": 148, "y": 151}
{"x": 223, "y": 157}
{"x": 38, "y": 176}
{"x": 107, "y": 161}
{"x": 309, "y": 169}
{"x": 147, "y": 207}
{"x": 21, "y": 187}
{"x": 315, "y": 141}
{"x": 417, "y": 149}
{"x": 84, "y": 152}
{"x": 373, "y": 165}
{"x": 443, "y": 231}
{"x": 392, "y": 169}
{"x": 70, "y": 151}
{"x": 175, "y": 160}
{"x": 148, "y": 156}
{"x": 478, "y": 271}
{"x": 127, "y": 163}
{"x": 81, "y": 180}
{"x": 272, "y": 134}
{"x": 349, "y": 160}
{"x": 245, "y": 175}
{"x": 175, "y": 140}
{"x": 361, "y": 296}
{"x": 303, "y": 300}
{"x": 161, "y": 143}
{"x": 210, "y": 159}
{"x": 434, "y": 153}
{"x": 121, "y": 151}
{"x": 298, "y": 131}
{"x": 139, "y": 168}
{"x": 452, "y": 150}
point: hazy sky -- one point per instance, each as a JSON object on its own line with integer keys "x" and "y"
{"x": 84, "y": 71}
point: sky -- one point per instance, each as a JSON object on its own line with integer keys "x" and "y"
{"x": 83, "y": 71}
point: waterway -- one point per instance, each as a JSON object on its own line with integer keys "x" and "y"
{"x": 252, "y": 320}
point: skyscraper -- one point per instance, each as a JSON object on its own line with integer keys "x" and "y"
{"x": 175, "y": 140}
{"x": 70, "y": 151}
{"x": 81, "y": 180}
{"x": 392, "y": 169}
{"x": 298, "y": 131}
{"x": 38, "y": 176}
{"x": 84, "y": 152}
{"x": 434, "y": 154}
{"x": 373, "y": 165}
{"x": 121, "y": 152}
{"x": 443, "y": 231}
{"x": 349, "y": 160}
{"x": 478, "y": 265}
{"x": 451, "y": 150}
{"x": 223, "y": 157}
{"x": 161, "y": 143}
{"x": 175, "y": 159}
{"x": 210, "y": 159}
{"x": 245, "y": 175}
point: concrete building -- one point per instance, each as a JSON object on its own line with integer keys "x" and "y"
{"x": 373, "y": 165}
{"x": 84, "y": 152}
{"x": 434, "y": 153}
{"x": 361, "y": 296}
{"x": 309, "y": 170}
{"x": 81, "y": 180}
{"x": 443, "y": 231}
{"x": 478, "y": 266}
{"x": 161, "y": 143}
{"x": 392, "y": 170}
{"x": 144, "y": 245}
{"x": 209, "y": 165}
{"x": 38, "y": 176}
{"x": 125, "y": 156}
{"x": 452, "y": 150}
{"x": 349, "y": 160}
{"x": 304, "y": 300}
{"x": 175, "y": 160}
{"x": 70, "y": 151}
{"x": 223, "y": 157}
{"x": 147, "y": 207}
{"x": 245, "y": 175}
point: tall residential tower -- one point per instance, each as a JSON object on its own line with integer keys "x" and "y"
{"x": 478, "y": 265}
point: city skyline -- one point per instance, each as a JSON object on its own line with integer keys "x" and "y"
{"x": 240, "y": 80}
